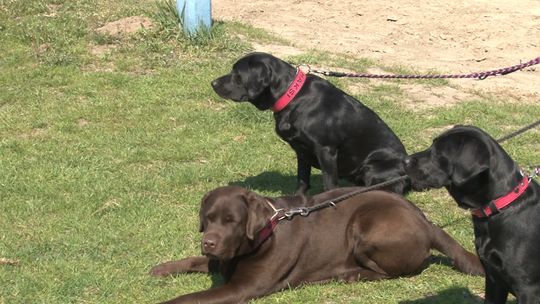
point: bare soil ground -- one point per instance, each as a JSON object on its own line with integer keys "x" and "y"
{"x": 459, "y": 36}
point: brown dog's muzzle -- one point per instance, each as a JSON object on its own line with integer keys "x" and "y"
{"x": 209, "y": 244}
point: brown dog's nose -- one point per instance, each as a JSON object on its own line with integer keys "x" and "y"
{"x": 209, "y": 243}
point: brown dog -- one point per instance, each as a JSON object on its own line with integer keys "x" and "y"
{"x": 371, "y": 236}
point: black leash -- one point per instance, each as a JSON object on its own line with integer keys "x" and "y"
{"x": 305, "y": 211}
{"x": 536, "y": 170}
{"x": 516, "y": 133}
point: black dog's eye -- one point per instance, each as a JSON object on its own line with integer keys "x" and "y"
{"x": 237, "y": 79}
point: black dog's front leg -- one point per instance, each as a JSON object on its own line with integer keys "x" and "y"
{"x": 303, "y": 175}
{"x": 327, "y": 157}
{"x": 496, "y": 292}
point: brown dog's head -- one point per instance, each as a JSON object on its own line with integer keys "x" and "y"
{"x": 230, "y": 219}
{"x": 466, "y": 160}
{"x": 258, "y": 78}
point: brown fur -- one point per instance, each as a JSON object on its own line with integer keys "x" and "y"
{"x": 371, "y": 236}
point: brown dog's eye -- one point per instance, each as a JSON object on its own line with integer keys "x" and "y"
{"x": 229, "y": 219}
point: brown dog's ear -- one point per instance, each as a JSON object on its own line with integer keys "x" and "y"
{"x": 202, "y": 210}
{"x": 259, "y": 212}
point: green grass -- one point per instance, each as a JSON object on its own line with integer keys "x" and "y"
{"x": 104, "y": 158}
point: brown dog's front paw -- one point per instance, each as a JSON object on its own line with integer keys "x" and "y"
{"x": 160, "y": 270}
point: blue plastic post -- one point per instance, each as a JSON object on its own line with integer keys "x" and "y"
{"x": 196, "y": 15}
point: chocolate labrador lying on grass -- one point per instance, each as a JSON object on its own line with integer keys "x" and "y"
{"x": 371, "y": 236}
{"x": 505, "y": 205}
{"x": 327, "y": 128}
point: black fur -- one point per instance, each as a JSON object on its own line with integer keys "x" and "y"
{"x": 327, "y": 128}
{"x": 476, "y": 170}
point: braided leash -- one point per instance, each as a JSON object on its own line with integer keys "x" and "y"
{"x": 478, "y": 75}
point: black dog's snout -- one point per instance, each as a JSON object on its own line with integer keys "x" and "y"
{"x": 214, "y": 83}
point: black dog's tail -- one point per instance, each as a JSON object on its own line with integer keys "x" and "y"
{"x": 464, "y": 260}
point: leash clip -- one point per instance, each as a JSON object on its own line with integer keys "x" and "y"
{"x": 307, "y": 68}
{"x": 535, "y": 173}
{"x": 303, "y": 211}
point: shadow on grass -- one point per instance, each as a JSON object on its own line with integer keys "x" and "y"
{"x": 273, "y": 181}
{"x": 449, "y": 296}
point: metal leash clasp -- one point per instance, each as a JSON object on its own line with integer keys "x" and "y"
{"x": 303, "y": 211}
{"x": 536, "y": 173}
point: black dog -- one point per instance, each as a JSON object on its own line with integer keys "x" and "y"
{"x": 370, "y": 236}
{"x": 327, "y": 128}
{"x": 481, "y": 176}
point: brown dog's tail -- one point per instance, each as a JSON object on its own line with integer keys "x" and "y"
{"x": 464, "y": 260}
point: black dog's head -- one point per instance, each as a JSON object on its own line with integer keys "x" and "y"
{"x": 230, "y": 219}
{"x": 466, "y": 160}
{"x": 259, "y": 78}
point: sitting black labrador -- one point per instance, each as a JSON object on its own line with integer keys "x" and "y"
{"x": 370, "y": 236}
{"x": 481, "y": 176}
{"x": 327, "y": 128}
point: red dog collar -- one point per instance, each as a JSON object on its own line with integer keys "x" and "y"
{"x": 291, "y": 92}
{"x": 268, "y": 229}
{"x": 503, "y": 201}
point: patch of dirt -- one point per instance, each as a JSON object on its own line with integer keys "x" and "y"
{"x": 277, "y": 49}
{"x": 107, "y": 67}
{"x": 12, "y": 262}
{"x": 52, "y": 10}
{"x": 33, "y": 133}
{"x": 460, "y": 36}
{"x": 126, "y": 25}
{"x": 81, "y": 122}
{"x": 423, "y": 97}
{"x": 102, "y": 50}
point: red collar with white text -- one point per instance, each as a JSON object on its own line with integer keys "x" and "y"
{"x": 291, "y": 92}
{"x": 495, "y": 206}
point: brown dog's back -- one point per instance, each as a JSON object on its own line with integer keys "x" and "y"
{"x": 393, "y": 235}
{"x": 370, "y": 236}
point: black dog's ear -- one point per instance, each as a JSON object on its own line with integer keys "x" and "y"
{"x": 462, "y": 174}
{"x": 259, "y": 212}
{"x": 470, "y": 159}
{"x": 259, "y": 79}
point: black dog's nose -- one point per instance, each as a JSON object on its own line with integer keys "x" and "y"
{"x": 214, "y": 83}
